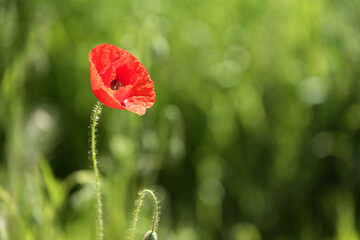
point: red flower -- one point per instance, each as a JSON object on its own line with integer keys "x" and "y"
{"x": 119, "y": 80}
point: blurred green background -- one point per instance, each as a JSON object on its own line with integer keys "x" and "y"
{"x": 255, "y": 132}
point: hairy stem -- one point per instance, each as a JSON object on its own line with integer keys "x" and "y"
{"x": 155, "y": 217}
{"x": 99, "y": 221}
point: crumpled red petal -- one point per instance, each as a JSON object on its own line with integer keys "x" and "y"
{"x": 135, "y": 92}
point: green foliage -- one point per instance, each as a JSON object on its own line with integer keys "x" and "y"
{"x": 254, "y": 133}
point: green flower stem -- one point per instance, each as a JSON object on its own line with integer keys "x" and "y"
{"x": 99, "y": 221}
{"x": 155, "y": 218}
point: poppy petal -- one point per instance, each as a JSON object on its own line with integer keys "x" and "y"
{"x": 119, "y": 80}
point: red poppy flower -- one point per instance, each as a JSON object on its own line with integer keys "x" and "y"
{"x": 119, "y": 80}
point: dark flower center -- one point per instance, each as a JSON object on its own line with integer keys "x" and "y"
{"x": 115, "y": 84}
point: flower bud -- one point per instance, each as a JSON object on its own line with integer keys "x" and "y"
{"x": 150, "y": 235}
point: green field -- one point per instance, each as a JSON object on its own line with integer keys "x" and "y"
{"x": 254, "y": 134}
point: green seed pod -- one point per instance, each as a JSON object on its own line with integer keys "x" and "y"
{"x": 150, "y": 235}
